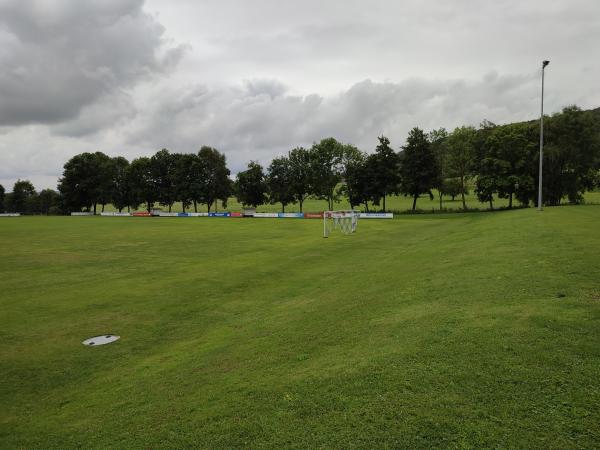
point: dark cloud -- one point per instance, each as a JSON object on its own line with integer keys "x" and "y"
{"x": 59, "y": 57}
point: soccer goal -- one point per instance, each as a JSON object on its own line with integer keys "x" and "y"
{"x": 345, "y": 221}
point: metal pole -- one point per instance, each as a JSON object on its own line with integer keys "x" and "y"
{"x": 544, "y": 64}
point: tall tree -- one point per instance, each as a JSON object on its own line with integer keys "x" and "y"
{"x": 487, "y": 181}
{"x": 452, "y": 187}
{"x": 22, "y": 197}
{"x": 106, "y": 177}
{"x": 250, "y": 186}
{"x": 2, "y": 197}
{"x": 279, "y": 182}
{"x": 215, "y": 182}
{"x": 326, "y": 169}
{"x": 163, "y": 175}
{"x": 357, "y": 180}
{"x": 508, "y": 146}
{"x": 195, "y": 172}
{"x": 461, "y": 156}
{"x": 185, "y": 165}
{"x": 48, "y": 201}
{"x": 300, "y": 177}
{"x": 141, "y": 183}
{"x": 120, "y": 184}
{"x": 438, "y": 139}
{"x": 387, "y": 179}
{"x": 86, "y": 181}
{"x": 419, "y": 171}
{"x": 570, "y": 155}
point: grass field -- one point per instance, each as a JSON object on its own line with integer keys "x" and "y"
{"x": 462, "y": 330}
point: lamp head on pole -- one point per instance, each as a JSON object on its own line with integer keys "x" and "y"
{"x": 545, "y": 63}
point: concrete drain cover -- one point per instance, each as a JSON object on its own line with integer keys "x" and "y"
{"x": 100, "y": 340}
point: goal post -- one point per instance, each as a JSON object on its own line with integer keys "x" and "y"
{"x": 346, "y": 221}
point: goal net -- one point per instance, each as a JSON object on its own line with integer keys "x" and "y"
{"x": 345, "y": 221}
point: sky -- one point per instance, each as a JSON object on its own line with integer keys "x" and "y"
{"x": 256, "y": 78}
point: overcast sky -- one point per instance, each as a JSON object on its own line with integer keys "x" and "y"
{"x": 255, "y": 78}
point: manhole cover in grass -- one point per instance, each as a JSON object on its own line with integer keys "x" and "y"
{"x": 100, "y": 340}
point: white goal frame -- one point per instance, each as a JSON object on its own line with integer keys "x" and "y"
{"x": 346, "y": 221}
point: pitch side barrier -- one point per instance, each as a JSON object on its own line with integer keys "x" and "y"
{"x": 10, "y": 214}
{"x": 362, "y": 215}
{"x": 265, "y": 215}
{"x": 376, "y": 215}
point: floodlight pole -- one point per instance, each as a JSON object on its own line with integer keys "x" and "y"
{"x": 544, "y": 64}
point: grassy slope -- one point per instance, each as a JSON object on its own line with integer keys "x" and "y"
{"x": 423, "y": 331}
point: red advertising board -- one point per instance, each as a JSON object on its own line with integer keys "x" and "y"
{"x": 313, "y": 215}
{"x": 237, "y": 214}
{"x": 141, "y": 214}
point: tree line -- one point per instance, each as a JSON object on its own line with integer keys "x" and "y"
{"x": 496, "y": 161}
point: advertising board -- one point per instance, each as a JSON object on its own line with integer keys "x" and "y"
{"x": 376, "y": 215}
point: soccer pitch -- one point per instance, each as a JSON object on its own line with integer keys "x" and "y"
{"x": 458, "y": 330}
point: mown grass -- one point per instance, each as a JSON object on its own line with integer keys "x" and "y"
{"x": 462, "y": 330}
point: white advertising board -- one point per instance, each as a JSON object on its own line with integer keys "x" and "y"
{"x": 376, "y": 215}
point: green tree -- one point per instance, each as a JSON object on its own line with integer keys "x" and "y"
{"x": 215, "y": 183}
{"x": 120, "y": 183}
{"x": 300, "y": 175}
{"x": 486, "y": 184}
{"x": 438, "y": 139}
{"x": 48, "y": 201}
{"x": 451, "y": 187}
{"x": 358, "y": 180}
{"x": 419, "y": 171}
{"x": 86, "y": 181}
{"x": 195, "y": 173}
{"x": 141, "y": 183}
{"x": 511, "y": 151}
{"x": 461, "y": 156}
{"x": 250, "y": 186}
{"x": 184, "y": 179}
{"x": 326, "y": 170}
{"x": 386, "y": 179}
{"x": 571, "y": 155}
{"x": 279, "y": 182}
{"x": 163, "y": 176}
{"x": 2, "y": 198}
{"x": 23, "y": 197}
{"x": 106, "y": 175}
